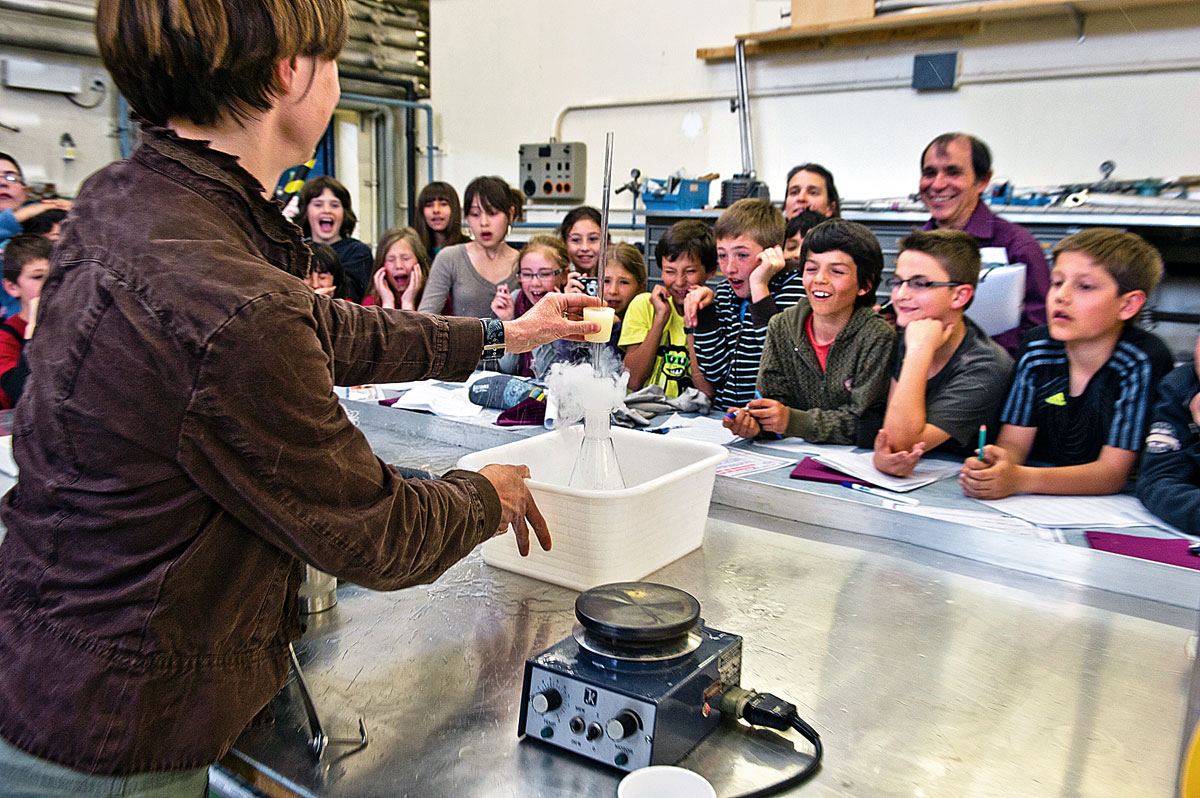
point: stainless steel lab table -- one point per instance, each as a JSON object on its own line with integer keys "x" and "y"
{"x": 926, "y": 674}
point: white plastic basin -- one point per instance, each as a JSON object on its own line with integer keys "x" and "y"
{"x": 614, "y": 535}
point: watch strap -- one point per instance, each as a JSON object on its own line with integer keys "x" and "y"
{"x": 493, "y": 337}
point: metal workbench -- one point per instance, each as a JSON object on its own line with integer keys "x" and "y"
{"x": 927, "y": 674}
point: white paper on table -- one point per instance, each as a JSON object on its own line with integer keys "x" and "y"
{"x": 743, "y": 463}
{"x": 861, "y": 465}
{"x": 442, "y": 400}
{"x": 700, "y": 428}
{"x": 359, "y": 393}
{"x": 978, "y": 519}
{"x": 801, "y": 446}
{"x": 400, "y": 386}
{"x": 1079, "y": 512}
{"x": 407, "y": 386}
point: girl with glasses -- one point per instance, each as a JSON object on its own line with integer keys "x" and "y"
{"x": 541, "y": 270}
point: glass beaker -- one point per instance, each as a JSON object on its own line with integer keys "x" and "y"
{"x": 597, "y": 467}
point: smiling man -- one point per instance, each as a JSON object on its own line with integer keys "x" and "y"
{"x": 955, "y": 170}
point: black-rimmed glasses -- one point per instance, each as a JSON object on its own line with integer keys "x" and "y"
{"x": 921, "y": 283}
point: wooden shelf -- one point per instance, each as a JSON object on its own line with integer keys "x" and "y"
{"x": 929, "y": 23}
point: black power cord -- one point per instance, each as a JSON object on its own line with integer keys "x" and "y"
{"x": 764, "y": 709}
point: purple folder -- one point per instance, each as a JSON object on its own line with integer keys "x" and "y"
{"x": 813, "y": 471}
{"x": 1172, "y": 551}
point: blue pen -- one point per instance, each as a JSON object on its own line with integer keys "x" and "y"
{"x": 982, "y": 439}
{"x": 892, "y": 497}
{"x": 758, "y": 395}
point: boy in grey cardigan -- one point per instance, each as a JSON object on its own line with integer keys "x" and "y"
{"x": 828, "y": 357}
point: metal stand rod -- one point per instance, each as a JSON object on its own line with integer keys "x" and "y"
{"x": 743, "y": 102}
{"x": 604, "y": 204}
{"x": 319, "y": 741}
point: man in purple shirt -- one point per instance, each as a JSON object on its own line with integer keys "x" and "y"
{"x": 955, "y": 170}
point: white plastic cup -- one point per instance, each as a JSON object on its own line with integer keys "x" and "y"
{"x": 602, "y": 316}
{"x": 661, "y": 781}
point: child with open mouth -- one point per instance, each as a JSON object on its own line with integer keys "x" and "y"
{"x": 542, "y": 269}
{"x": 467, "y": 276}
{"x": 401, "y": 267}
{"x": 326, "y": 216}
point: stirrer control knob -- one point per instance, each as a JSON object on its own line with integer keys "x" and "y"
{"x": 624, "y": 724}
{"x": 547, "y": 701}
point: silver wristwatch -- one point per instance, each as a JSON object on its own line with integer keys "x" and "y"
{"x": 493, "y": 337}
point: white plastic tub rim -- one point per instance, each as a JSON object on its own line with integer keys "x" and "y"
{"x": 707, "y": 455}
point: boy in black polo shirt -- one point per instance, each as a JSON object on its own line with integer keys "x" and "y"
{"x": 1084, "y": 384}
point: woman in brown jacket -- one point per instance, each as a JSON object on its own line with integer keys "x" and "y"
{"x": 180, "y": 446}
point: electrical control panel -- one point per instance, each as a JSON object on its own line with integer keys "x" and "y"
{"x": 628, "y": 714}
{"x": 555, "y": 170}
{"x": 598, "y": 721}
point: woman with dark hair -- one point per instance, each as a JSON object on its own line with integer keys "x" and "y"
{"x": 810, "y": 187}
{"x": 326, "y": 217}
{"x": 470, "y": 274}
{"x": 439, "y": 218}
{"x": 181, "y": 384}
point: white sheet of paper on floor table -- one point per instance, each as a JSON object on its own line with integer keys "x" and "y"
{"x": 742, "y": 463}
{"x": 980, "y": 519}
{"x": 801, "y": 446}
{"x": 861, "y": 465}
{"x": 443, "y": 400}
{"x": 700, "y": 428}
{"x": 1079, "y": 512}
{"x": 8, "y": 466}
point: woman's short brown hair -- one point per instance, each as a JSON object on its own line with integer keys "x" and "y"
{"x": 203, "y": 59}
{"x": 494, "y": 195}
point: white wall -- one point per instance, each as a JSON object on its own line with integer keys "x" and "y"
{"x": 503, "y": 69}
{"x": 43, "y": 117}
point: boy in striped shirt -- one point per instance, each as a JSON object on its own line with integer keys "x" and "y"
{"x": 1085, "y": 383}
{"x": 729, "y": 324}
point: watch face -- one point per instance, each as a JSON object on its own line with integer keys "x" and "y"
{"x": 493, "y": 334}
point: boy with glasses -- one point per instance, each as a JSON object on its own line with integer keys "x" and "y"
{"x": 949, "y": 376}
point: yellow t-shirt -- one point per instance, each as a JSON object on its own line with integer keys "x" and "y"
{"x": 672, "y": 369}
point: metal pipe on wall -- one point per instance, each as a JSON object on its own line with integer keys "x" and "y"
{"x": 388, "y": 104}
{"x": 379, "y": 60}
{"x": 36, "y": 37}
{"x": 835, "y": 87}
{"x": 52, "y": 8}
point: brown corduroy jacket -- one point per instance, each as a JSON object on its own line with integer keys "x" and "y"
{"x": 180, "y": 450}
